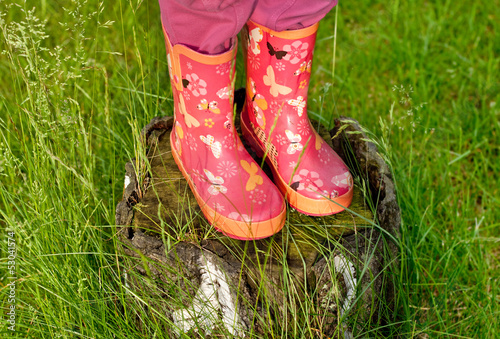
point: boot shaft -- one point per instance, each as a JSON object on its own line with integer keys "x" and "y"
{"x": 202, "y": 85}
{"x": 203, "y": 91}
{"x": 278, "y": 71}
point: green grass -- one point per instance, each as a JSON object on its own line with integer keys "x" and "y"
{"x": 77, "y": 89}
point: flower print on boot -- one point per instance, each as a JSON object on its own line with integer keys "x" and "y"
{"x": 307, "y": 171}
{"x": 205, "y": 145}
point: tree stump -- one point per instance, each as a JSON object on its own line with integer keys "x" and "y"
{"x": 329, "y": 269}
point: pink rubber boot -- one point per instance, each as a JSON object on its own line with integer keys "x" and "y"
{"x": 233, "y": 192}
{"x": 307, "y": 171}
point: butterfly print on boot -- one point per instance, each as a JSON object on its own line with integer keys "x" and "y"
{"x": 278, "y": 54}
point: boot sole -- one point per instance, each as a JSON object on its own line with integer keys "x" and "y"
{"x": 303, "y": 204}
{"x": 235, "y": 229}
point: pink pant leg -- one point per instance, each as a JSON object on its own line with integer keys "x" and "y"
{"x": 206, "y": 26}
{"x": 209, "y": 26}
{"x": 290, "y": 14}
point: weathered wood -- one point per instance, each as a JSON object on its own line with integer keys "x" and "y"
{"x": 365, "y": 161}
{"x": 320, "y": 255}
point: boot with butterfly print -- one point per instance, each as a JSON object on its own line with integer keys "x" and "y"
{"x": 233, "y": 192}
{"x": 313, "y": 178}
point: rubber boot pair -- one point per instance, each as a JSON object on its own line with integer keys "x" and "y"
{"x": 233, "y": 192}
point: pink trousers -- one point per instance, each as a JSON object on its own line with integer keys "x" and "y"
{"x": 209, "y": 26}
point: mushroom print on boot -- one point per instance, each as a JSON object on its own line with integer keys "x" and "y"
{"x": 308, "y": 172}
{"x": 235, "y": 195}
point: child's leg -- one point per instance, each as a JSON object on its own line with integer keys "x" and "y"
{"x": 290, "y": 15}
{"x": 233, "y": 192}
{"x": 310, "y": 174}
{"x": 207, "y": 27}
